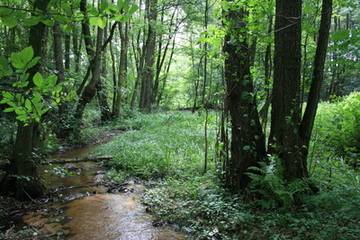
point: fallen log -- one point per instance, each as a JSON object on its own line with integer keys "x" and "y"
{"x": 75, "y": 160}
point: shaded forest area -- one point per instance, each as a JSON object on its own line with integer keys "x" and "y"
{"x": 252, "y": 72}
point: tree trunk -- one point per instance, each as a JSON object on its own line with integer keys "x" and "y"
{"x": 58, "y": 55}
{"x": 124, "y": 37}
{"x": 247, "y": 140}
{"x": 147, "y": 75}
{"x": 317, "y": 76}
{"x": 284, "y": 139}
{"x": 22, "y": 179}
{"x": 90, "y": 89}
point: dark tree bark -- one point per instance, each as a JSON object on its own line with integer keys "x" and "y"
{"x": 95, "y": 85}
{"x": 67, "y": 51}
{"x": 284, "y": 139}
{"x": 290, "y": 136}
{"x": 58, "y": 55}
{"x": 124, "y": 37}
{"x": 22, "y": 178}
{"x": 247, "y": 139}
{"x": 90, "y": 89}
{"x": 318, "y": 75}
{"x": 146, "y": 95}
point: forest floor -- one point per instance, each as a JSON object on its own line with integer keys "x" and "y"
{"x": 168, "y": 151}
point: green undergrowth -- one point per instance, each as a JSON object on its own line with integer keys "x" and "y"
{"x": 166, "y": 144}
{"x": 169, "y": 147}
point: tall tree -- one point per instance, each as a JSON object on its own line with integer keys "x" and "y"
{"x": 95, "y": 85}
{"x": 22, "y": 179}
{"x": 284, "y": 139}
{"x": 290, "y": 131}
{"x": 247, "y": 140}
{"x": 290, "y": 134}
{"x": 147, "y": 74}
{"x": 119, "y": 84}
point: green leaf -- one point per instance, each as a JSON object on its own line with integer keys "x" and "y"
{"x": 9, "y": 109}
{"x": 246, "y": 148}
{"x": 33, "y": 62}
{"x": 4, "y": 67}
{"x": 133, "y": 9}
{"x": 93, "y": 20}
{"x": 102, "y": 22}
{"x": 28, "y": 105}
{"x": 18, "y": 14}
{"x": 20, "y": 111}
{"x": 61, "y": 18}
{"x": 9, "y": 21}
{"x": 125, "y": 18}
{"x": 68, "y": 28}
{"x": 120, "y": 4}
{"x": 49, "y": 22}
{"x": 32, "y": 21}
{"x": 92, "y": 10}
{"x": 50, "y": 81}
{"x": 38, "y": 79}
{"x": 118, "y": 18}
{"x": 66, "y": 7}
{"x": 103, "y": 5}
{"x": 21, "y": 59}
{"x": 79, "y": 17}
{"x": 342, "y": 34}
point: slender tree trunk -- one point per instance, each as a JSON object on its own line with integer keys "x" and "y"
{"x": 90, "y": 89}
{"x": 76, "y": 49}
{"x": 67, "y": 51}
{"x": 124, "y": 37}
{"x": 58, "y": 54}
{"x": 317, "y": 76}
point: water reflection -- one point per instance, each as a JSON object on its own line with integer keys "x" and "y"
{"x": 113, "y": 216}
{"x": 105, "y": 216}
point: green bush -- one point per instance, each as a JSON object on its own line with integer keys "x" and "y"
{"x": 337, "y": 129}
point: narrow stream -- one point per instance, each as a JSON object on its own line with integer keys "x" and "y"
{"x": 85, "y": 210}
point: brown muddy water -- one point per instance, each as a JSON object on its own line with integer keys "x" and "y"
{"x": 82, "y": 209}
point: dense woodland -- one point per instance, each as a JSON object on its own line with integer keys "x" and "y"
{"x": 256, "y": 71}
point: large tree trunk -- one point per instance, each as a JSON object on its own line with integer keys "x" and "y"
{"x": 284, "y": 139}
{"x": 22, "y": 179}
{"x": 247, "y": 139}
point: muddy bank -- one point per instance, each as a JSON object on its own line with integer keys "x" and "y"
{"x": 81, "y": 204}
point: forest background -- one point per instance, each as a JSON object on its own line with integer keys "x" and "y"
{"x": 67, "y": 66}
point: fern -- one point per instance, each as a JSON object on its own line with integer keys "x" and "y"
{"x": 268, "y": 180}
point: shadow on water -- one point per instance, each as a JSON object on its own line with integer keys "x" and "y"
{"x": 82, "y": 209}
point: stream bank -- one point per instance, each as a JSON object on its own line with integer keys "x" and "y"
{"x": 80, "y": 205}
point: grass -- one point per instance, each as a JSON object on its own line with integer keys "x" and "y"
{"x": 167, "y": 144}
{"x": 169, "y": 147}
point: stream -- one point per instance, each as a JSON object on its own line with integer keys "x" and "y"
{"x": 82, "y": 208}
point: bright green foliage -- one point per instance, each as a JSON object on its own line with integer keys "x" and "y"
{"x": 29, "y": 102}
{"x": 270, "y": 183}
{"x": 24, "y": 59}
{"x": 167, "y": 145}
{"x": 337, "y": 129}
{"x": 200, "y": 206}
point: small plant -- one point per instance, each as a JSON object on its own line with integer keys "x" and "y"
{"x": 270, "y": 183}
{"x": 115, "y": 177}
{"x": 63, "y": 172}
